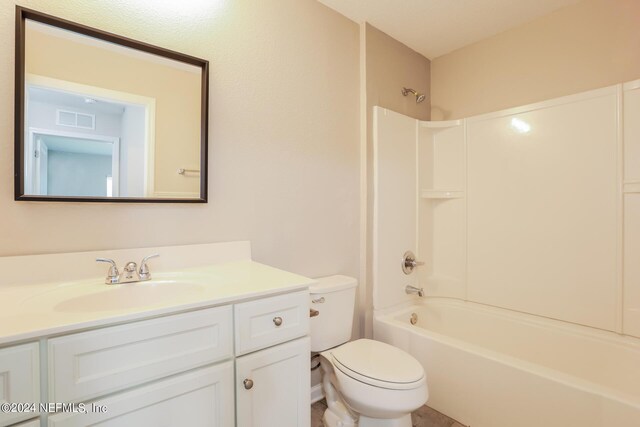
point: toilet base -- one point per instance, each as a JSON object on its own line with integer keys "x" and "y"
{"x": 331, "y": 419}
{"x": 404, "y": 421}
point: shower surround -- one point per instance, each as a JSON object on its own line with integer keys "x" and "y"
{"x": 532, "y": 213}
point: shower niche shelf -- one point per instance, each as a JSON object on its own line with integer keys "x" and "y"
{"x": 441, "y": 194}
{"x": 441, "y": 124}
{"x": 632, "y": 187}
{"x": 441, "y": 218}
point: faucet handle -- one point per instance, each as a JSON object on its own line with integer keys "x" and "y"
{"x": 113, "y": 274}
{"x": 409, "y": 262}
{"x": 144, "y": 268}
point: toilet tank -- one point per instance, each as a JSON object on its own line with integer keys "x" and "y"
{"x": 334, "y": 298}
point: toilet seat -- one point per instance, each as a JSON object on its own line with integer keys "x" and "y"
{"x": 379, "y": 365}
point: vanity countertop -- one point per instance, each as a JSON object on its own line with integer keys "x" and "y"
{"x": 29, "y": 311}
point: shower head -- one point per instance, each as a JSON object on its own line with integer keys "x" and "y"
{"x": 419, "y": 96}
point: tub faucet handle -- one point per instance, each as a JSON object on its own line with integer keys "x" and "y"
{"x": 409, "y": 262}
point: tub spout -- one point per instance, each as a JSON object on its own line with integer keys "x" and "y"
{"x": 413, "y": 290}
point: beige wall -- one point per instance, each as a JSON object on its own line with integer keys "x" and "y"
{"x": 284, "y": 135}
{"x": 591, "y": 44}
{"x": 388, "y": 67}
{"x": 176, "y": 92}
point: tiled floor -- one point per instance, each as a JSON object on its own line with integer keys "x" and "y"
{"x": 423, "y": 417}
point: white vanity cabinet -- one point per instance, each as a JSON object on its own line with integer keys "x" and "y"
{"x": 177, "y": 370}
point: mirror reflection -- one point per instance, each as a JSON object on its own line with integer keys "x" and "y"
{"x": 102, "y": 120}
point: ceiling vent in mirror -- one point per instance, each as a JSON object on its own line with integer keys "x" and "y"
{"x": 76, "y": 120}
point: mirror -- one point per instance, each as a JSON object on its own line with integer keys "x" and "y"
{"x": 103, "y": 118}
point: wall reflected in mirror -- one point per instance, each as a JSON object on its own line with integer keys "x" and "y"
{"x": 104, "y": 120}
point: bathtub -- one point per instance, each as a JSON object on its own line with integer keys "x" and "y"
{"x": 488, "y": 367}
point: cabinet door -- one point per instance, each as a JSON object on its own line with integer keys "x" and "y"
{"x": 273, "y": 386}
{"x": 200, "y": 398}
{"x": 19, "y": 379}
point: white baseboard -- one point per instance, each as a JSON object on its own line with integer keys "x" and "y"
{"x": 316, "y": 393}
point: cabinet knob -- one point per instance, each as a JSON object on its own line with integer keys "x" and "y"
{"x": 277, "y": 321}
{"x": 248, "y": 384}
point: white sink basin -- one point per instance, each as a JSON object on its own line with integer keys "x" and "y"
{"x": 130, "y": 295}
{"x": 86, "y": 297}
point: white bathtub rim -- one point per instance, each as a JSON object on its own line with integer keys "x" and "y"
{"x": 611, "y": 337}
{"x": 519, "y": 364}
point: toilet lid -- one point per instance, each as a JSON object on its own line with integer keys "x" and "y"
{"x": 378, "y": 361}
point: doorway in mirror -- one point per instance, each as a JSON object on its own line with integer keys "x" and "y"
{"x": 81, "y": 144}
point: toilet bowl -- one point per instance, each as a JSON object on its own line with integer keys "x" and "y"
{"x": 366, "y": 383}
{"x": 378, "y": 383}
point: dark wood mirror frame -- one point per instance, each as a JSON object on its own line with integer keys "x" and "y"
{"x": 22, "y": 14}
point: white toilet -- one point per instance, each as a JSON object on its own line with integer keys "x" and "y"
{"x": 366, "y": 383}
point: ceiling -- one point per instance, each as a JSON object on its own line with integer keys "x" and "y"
{"x": 437, "y": 27}
{"x": 74, "y": 101}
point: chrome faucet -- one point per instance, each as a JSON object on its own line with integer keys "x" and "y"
{"x": 130, "y": 273}
{"x": 413, "y": 290}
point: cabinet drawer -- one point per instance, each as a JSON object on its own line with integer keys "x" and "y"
{"x": 88, "y": 364}
{"x": 202, "y": 398}
{"x": 32, "y": 423}
{"x": 270, "y": 321}
{"x": 19, "y": 379}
